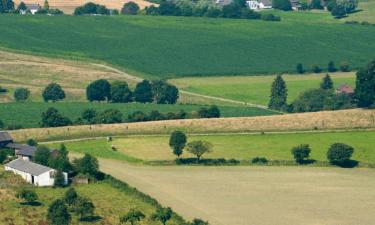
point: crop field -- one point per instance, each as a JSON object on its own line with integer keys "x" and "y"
{"x": 29, "y": 114}
{"x": 257, "y": 89}
{"x": 237, "y": 146}
{"x": 262, "y": 195}
{"x": 102, "y": 194}
{"x": 166, "y": 47}
{"x": 366, "y": 12}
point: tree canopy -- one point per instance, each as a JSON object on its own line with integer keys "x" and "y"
{"x": 365, "y": 85}
{"x": 130, "y": 8}
{"x": 143, "y": 92}
{"x": 99, "y": 90}
{"x": 279, "y": 93}
{"x": 199, "y": 148}
{"x": 53, "y": 92}
{"x": 42, "y": 155}
{"x": 327, "y": 83}
{"x": 132, "y": 217}
{"x": 177, "y": 142}
{"x": 120, "y": 92}
{"x": 58, "y": 213}
{"x": 21, "y": 94}
{"x": 52, "y": 118}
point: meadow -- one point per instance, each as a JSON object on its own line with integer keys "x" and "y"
{"x": 257, "y": 89}
{"x": 238, "y": 146}
{"x": 166, "y": 47}
{"x": 28, "y": 114}
{"x": 262, "y": 195}
{"x": 108, "y": 207}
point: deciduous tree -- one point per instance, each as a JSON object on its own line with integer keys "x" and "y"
{"x": 58, "y": 213}
{"x": 279, "y": 94}
{"x": 98, "y": 90}
{"x": 177, "y": 142}
{"x": 132, "y": 217}
{"x": 53, "y": 92}
{"x": 199, "y": 148}
{"x": 365, "y": 85}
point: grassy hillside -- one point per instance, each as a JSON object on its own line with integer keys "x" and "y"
{"x": 175, "y": 47}
{"x": 242, "y": 147}
{"x": 257, "y": 89}
{"x": 29, "y": 114}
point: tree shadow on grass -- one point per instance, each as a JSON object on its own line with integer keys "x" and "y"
{"x": 91, "y": 218}
{"x": 31, "y": 203}
{"x": 308, "y": 161}
{"x": 348, "y": 164}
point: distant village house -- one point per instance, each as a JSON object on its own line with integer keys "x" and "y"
{"x": 345, "y": 89}
{"x": 32, "y": 8}
{"x": 5, "y": 139}
{"x": 259, "y": 4}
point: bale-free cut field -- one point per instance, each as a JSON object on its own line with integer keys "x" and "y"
{"x": 257, "y": 195}
{"x": 177, "y": 46}
{"x": 238, "y": 146}
{"x": 257, "y": 89}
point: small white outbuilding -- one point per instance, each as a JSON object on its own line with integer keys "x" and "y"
{"x": 34, "y": 173}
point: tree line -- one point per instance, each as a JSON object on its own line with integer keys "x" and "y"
{"x": 324, "y": 97}
{"x": 8, "y": 6}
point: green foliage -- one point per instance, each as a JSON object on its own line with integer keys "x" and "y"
{"x": 349, "y": 5}
{"x": 58, "y": 213}
{"x": 327, "y": 83}
{"x": 89, "y": 116}
{"x": 164, "y": 93}
{"x": 199, "y": 222}
{"x": 199, "y": 148}
{"x": 87, "y": 165}
{"x": 120, "y": 91}
{"x": 53, "y": 92}
{"x": 316, "y": 69}
{"x": 83, "y": 207}
{"x": 312, "y": 100}
{"x": 91, "y": 8}
{"x": 59, "y": 179}
{"x": 42, "y": 155}
{"x": 99, "y": 90}
{"x": 61, "y": 161}
{"x": 31, "y": 142}
{"x": 279, "y": 93}
{"x": 316, "y": 4}
{"x": 28, "y": 195}
{"x": 344, "y": 66}
{"x": 301, "y": 153}
{"x": 211, "y": 112}
{"x": 143, "y": 92}
{"x": 70, "y": 196}
{"x": 177, "y": 142}
{"x": 259, "y": 160}
{"x": 339, "y": 154}
{"x": 365, "y": 85}
{"x": 46, "y": 5}
{"x": 3, "y": 156}
{"x": 162, "y": 214}
{"x": 52, "y": 118}
{"x": 110, "y": 116}
{"x": 284, "y": 5}
{"x": 132, "y": 217}
{"x": 1, "y": 124}
{"x": 338, "y": 11}
{"x": 21, "y": 94}
{"x": 130, "y": 8}
{"x": 6, "y": 6}
{"x": 331, "y": 67}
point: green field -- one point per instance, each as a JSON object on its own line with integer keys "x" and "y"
{"x": 366, "y": 12}
{"x": 29, "y": 114}
{"x": 242, "y": 147}
{"x": 257, "y": 89}
{"x": 177, "y": 46}
{"x": 110, "y": 202}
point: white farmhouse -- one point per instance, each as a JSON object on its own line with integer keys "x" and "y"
{"x": 34, "y": 173}
{"x": 259, "y": 4}
{"x": 32, "y": 8}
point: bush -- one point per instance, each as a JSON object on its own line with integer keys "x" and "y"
{"x": 52, "y": 118}
{"x": 130, "y": 8}
{"x": 137, "y": 116}
{"x": 331, "y": 67}
{"x": 316, "y": 69}
{"x": 28, "y": 195}
{"x": 2, "y": 125}
{"x": 301, "y": 153}
{"x": 31, "y": 142}
{"x": 3, "y": 90}
{"x": 58, "y": 213}
{"x": 300, "y": 69}
{"x": 21, "y": 94}
{"x": 110, "y": 116}
{"x": 338, "y": 11}
{"x": 259, "y": 160}
{"x": 316, "y": 4}
{"x": 91, "y": 8}
{"x": 340, "y": 154}
{"x": 284, "y": 5}
{"x": 270, "y": 17}
{"x": 312, "y": 100}
{"x": 212, "y": 112}
{"x": 344, "y": 67}
{"x": 53, "y": 92}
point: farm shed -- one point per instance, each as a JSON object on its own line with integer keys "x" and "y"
{"x": 32, "y": 8}
{"x": 24, "y": 152}
{"x": 33, "y": 173}
{"x": 5, "y": 139}
{"x": 345, "y": 89}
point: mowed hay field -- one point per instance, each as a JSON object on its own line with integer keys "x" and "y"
{"x": 29, "y": 114}
{"x": 257, "y": 89}
{"x": 167, "y": 47}
{"x": 257, "y": 195}
{"x": 341, "y": 120}
{"x": 238, "y": 146}
{"x": 102, "y": 193}
{"x": 366, "y": 12}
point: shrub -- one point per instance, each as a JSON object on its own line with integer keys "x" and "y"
{"x": 31, "y": 142}
{"x": 344, "y": 67}
{"x": 83, "y": 207}
{"x": 137, "y": 116}
{"x": 338, "y": 11}
{"x": 89, "y": 116}
{"x": 2, "y": 125}
{"x": 3, "y": 156}
{"x": 300, "y": 68}
{"x": 52, "y": 118}
{"x": 42, "y": 154}
{"x": 132, "y": 217}
{"x": 259, "y": 160}
{"x": 110, "y": 116}
{"x": 58, "y": 213}
{"x": 270, "y": 17}
{"x": 70, "y": 196}
{"x": 130, "y": 8}
{"x": 312, "y": 100}
{"x": 3, "y": 90}
{"x": 331, "y": 67}
{"x": 340, "y": 154}
{"x": 53, "y": 92}
{"x": 301, "y": 153}
{"x": 21, "y": 94}
{"x": 59, "y": 179}
{"x": 316, "y": 69}
{"x": 28, "y": 195}
{"x": 316, "y": 4}
{"x": 284, "y": 5}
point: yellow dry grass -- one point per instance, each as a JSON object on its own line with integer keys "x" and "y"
{"x": 326, "y": 120}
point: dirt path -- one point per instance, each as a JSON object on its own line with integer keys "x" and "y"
{"x": 257, "y": 195}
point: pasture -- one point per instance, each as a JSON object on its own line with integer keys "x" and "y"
{"x": 238, "y": 146}
{"x": 262, "y": 195}
{"x": 29, "y": 114}
{"x": 165, "y": 47}
{"x": 102, "y": 193}
{"x": 257, "y": 89}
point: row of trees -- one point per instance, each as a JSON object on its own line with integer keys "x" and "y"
{"x": 343, "y": 67}
{"x": 236, "y": 9}
{"x": 324, "y": 97}
{"x": 92, "y": 8}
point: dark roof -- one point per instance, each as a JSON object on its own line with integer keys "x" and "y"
{"x": 266, "y": 2}
{"x": 25, "y": 150}
{"x": 28, "y": 167}
{"x": 223, "y": 2}
{"x": 5, "y": 136}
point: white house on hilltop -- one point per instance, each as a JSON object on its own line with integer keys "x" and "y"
{"x": 259, "y": 4}
{"x": 33, "y": 173}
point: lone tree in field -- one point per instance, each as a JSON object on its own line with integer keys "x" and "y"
{"x": 177, "y": 142}
{"x": 301, "y": 153}
{"x": 331, "y": 67}
{"x": 21, "y": 94}
{"x": 58, "y": 213}
{"x": 42, "y": 155}
{"x": 130, "y": 8}
{"x": 132, "y": 217}
{"x": 279, "y": 94}
{"x": 199, "y": 148}
{"x": 70, "y": 196}
{"x": 120, "y": 92}
{"x": 29, "y": 196}
{"x": 162, "y": 215}
{"x": 340, "y": 154}
{"x": 83, "y": 207}
{"x": 327, "y": 83}
{"x": 53, "y": 92}
{"x": 143, "y": 92}
{"x": 59, "y": 179}
{"x": 98, "y": 90}
{"x": 300, "y": 68}
{"x": 365, "y": 85}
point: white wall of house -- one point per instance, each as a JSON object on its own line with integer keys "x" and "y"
{"x": 25, "y": 176}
